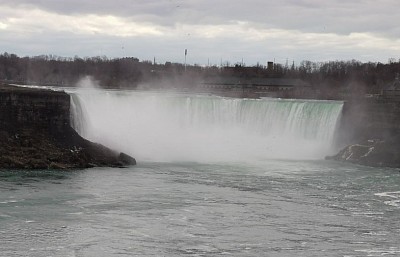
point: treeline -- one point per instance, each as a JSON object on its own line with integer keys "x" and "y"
{"x": 333, "y": 77}
{"x": 54, "y": 70}
{"x": 126, "y": 72}
{"x": 350, "y": 77}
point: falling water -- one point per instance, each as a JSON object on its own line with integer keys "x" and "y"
{"x": 178, "y": 127}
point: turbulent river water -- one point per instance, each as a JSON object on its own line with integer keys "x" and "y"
{"x": 215, "y": 177}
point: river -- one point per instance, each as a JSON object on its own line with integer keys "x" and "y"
{"x": 286, "y": 208}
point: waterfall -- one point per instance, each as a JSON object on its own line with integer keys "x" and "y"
{"x": 200, "y": 128}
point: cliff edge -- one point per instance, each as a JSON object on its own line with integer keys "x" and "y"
{"x": 35, "y": 133}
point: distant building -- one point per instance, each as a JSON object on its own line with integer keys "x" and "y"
{"x": 270, "y": 66}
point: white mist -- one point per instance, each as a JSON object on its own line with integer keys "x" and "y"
{"x": 175, "y": 127}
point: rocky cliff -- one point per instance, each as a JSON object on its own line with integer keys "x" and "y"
{"x": 370, "y": 132}
{"x": 35, "y": 133}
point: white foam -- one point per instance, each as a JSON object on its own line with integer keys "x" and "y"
{"x": 176, "y": 127}
{"x": 393, "y": 195}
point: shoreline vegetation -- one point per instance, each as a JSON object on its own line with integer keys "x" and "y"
{"x": 331, "y": 80}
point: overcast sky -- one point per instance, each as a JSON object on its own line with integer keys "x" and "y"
{"x": 211, "y": 30}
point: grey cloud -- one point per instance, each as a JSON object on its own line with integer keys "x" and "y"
{"x": 332, "y": 16}
{"x": 123, "y": 8}
{"x": 315, "y": 16}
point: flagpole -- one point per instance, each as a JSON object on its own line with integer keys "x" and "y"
{"x": 185, "y": 58}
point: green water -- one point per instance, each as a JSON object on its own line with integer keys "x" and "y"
{"x": 278, "y": 208}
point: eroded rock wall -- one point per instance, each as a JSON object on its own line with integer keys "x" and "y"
{"x": 27, "y": 108}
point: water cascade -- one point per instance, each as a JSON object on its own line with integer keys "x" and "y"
{"x": 199, "y": 128}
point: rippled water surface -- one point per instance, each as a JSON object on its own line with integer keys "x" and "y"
{"x": 278, "y": 208}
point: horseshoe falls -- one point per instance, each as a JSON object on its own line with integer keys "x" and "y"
{"x": 166, "y": 127}
{"x": 215, "y": 177}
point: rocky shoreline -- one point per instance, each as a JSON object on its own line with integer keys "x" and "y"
{"x": 35, "y": 134}
{"x": 31, "y": 149}
{"x": 372, "y": 152}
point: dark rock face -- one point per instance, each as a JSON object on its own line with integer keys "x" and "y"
{"x": 375, "y": 153}
{"x": 369, "y": 118}
{"x": 369, "y": 132}
{"x": 41, "y": 109}
{"x": 35, "y": 134}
